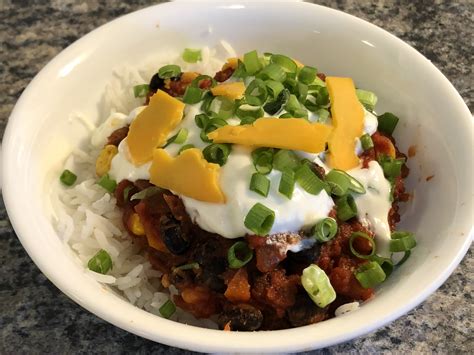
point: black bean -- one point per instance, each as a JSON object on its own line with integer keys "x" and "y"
{"x": 242, "y": 317}
{"x": 181, "y": 278}
{"x": 210, "y": 275}
{"x": 173, "y": 237}
{"x": 305, "y": 312}
{"x": 156, "y": 83}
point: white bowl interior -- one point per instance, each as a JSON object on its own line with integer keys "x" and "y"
{"x": 433, "y": 117}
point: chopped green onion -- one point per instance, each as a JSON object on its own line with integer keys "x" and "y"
{"x": 387, "y": 123}
{"x": 292, "y": 85}
{"x": 189, "y": 266}
{"x": 272, "y": 72}
{"x": 323, "y": 115}
{"x": 287, "y": 183}
{"x": 322, "y": 96}
{"x": 141, "y": 90}
{"x": 238, "y": 255}
{"x": 68, "y": 178}
{"x": 286, "y": 115}
{"x": 148, "y": 192}
{"x": 256, "y": 93}
{"x": 385, "y": 263}
{"x": 101, "y": 262}
{"x": 260, "y": 184}
{"x": 285, "y": 62}
{"x": 366, "y": 142}
{"x": 178, "y": 138}
{"x": 201, "y": 120}
{"x": 126, "y": 191}
{"x": 247, "y": 120}
{"x": 275, "y": 106}
{"x": 192, "y": 55}
{"x": 184, "y": 147}
{"x": 317, "y": 285}
{"x": 370, "y": 274}
{"x": 340, "y": 182}
{"x": 244, "y": 111}
{"x": 307, "y": 75}
{"x": 405, "y": 258}
{"x": 285, "y": 159}
{"x": 192, "y": 95}
{"x": 197, "y": 80}
{"x": 308, "y": 180}
{"x": 167, "y": 309}
{"x": 211, "y": 125}
{"x": 263, "y": 160}
{"x": 240, "y": 71}
{"x": 251, "y": 62}
{"x": 324, "y": 230}
{"x": 402, "y": 241}
{"x": 302, "y": 92}
{"x": 217, "y": 153}
{"x": 363, "y": 236}
{"x": 294, "y": 107}
{"x": 367, "y": 98}
{"x": 222, "y": 107}
{"x": 274, "y": 88}
{"x": 107, "y": 183}
{"x": 169, "y": 71}
{"x": 392, "y": 168}
{"x": 259, "y": 219}
{"x": 346, "y": 208}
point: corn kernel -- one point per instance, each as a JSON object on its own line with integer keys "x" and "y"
{"x": 136, "y": 225}
{"x": 102, "y": 164}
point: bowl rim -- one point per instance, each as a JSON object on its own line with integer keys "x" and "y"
{"x": 281, "y": 340}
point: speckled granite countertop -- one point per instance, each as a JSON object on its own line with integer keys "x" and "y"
{"x": 35, "y": 317}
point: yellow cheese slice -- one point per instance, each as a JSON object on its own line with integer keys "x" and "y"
{"x": 152, "y": 126}
{"x": 231, "y": 90}
{"x": 348, "y": 121}
{"x": 288, "y": 133}
{"x": 188, "y": 174}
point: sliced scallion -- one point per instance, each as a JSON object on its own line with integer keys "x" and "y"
{"x": 366, "y": 142}
{"x": 402, "y": 242}
{"x": 192, "y": 55}
{"x": 148, "y": 192}
{"x": 317, "y": 285}
{"x": 370, "y": 274}
{"x": 68, "y": 178}
{"x": 263, "y": 160}
{"x": 272, "y": 72}
{"x": 294, "y": 107}
{"x": 285, "y": 62}
{"x": 189, "y": 266}
{"x": 256, "y": 93}
{"x": 217, "y": 153}
{"x": 178, "y": 138}
{"x": 101, "y": 262}
{"x": 285, "y": 159}
{"x": 107, "y": 183}
{"x": 287, "y": 183}
{"x": 307, "y": 75}
{"x": 260, "y": 184}
{"x": 387, "y": 123}
{"x": 260, "y": 219}
{"x": 340, "y": 182}
{"x": 324, "y": 230}
{"x": 167, "y": 309}
{"x": 276, "y": 105}
{"x": 251, "y": 62}
{"x": 274, "y": 88}
{"x": 346, "y": 208}
{"x": 362, "y": 235}
{"x": 308, "y": 180}
{"x": 323, "y": 115}
{"x": 169, "y": 71}
{"x": 184, "y": 147}
{"x": 367, "y": 98}
{"x": 391, "y": 167}
{"x": 385, "y": 263}
{"x": 192, "y": 95}
{"x": 238, "y": 255}
{"x": 244, "y": 111}
{"x": 201, "y": 120}
{"x": 141, "y": 90}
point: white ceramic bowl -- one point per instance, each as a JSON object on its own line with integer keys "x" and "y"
{"x": 434, "y": 118}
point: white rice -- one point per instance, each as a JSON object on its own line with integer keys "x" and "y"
{"x": 87, "y": 218}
